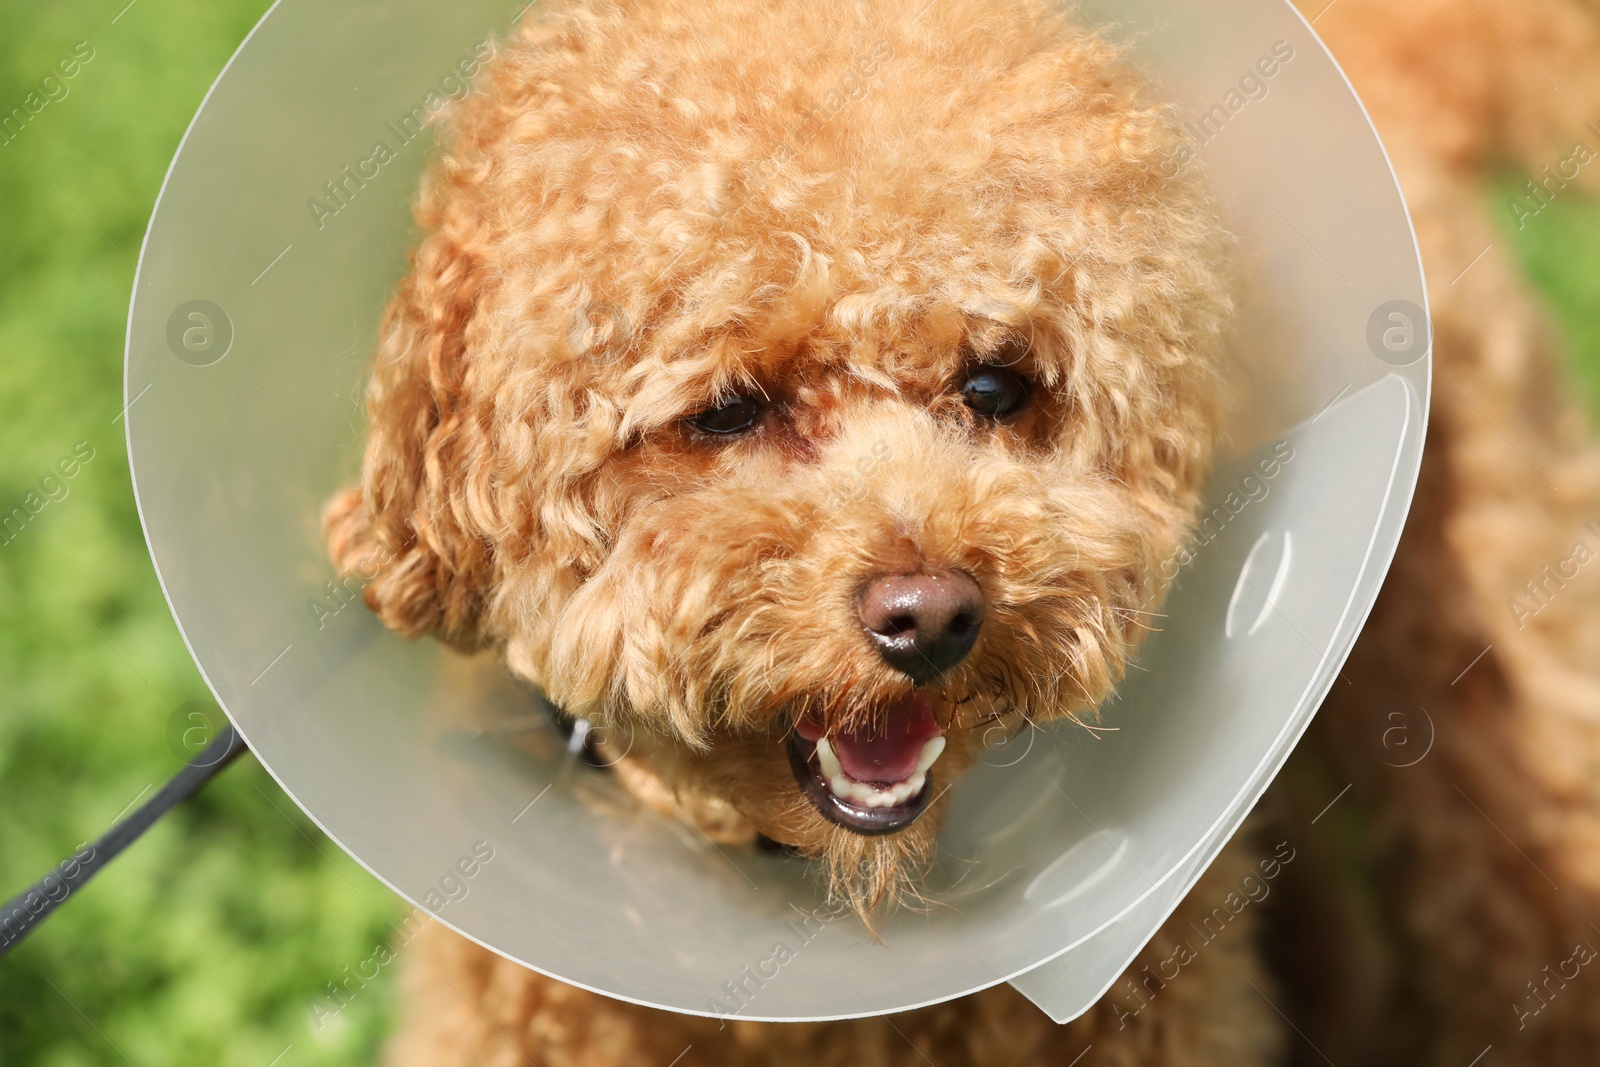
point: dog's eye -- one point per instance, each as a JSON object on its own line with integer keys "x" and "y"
{"x": 994, "y": 392}
{"x": 736, "y": 416}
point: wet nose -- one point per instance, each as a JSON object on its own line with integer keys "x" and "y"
{"x": 922, "y": 624}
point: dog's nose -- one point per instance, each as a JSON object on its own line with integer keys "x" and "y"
{"x": 922, "y": 624}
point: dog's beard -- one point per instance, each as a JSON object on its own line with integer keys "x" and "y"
{"x": 871, "y": 875}
{"x": 876, "y": 875}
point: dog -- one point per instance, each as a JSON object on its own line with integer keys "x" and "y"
{"x": 805, "y": 390}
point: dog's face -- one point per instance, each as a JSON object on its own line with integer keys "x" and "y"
{"x": 807, "y": 393}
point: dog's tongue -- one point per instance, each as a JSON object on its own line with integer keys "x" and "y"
{"x": 889, "y": 756}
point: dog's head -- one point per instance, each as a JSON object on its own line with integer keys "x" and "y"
{"x": 804, "y": 390}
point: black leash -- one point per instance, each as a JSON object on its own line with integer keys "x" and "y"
{"x": 27, "y": 909}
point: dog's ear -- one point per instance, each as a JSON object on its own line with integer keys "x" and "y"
{"x": 408, "y": 530}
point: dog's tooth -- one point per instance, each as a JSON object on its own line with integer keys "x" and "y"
{"x": 866, "y": 794}
{"x": 831, "y": 767}
{"x": 846, "y": 788}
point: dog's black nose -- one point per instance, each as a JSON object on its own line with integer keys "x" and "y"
{"x": 922, "y": 624}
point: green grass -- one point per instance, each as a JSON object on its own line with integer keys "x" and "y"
{"x": 206, "y": 943}
{"x": 1560, "y": 249}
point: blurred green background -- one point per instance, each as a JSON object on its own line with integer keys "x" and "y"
{"x": 207, "y": 943}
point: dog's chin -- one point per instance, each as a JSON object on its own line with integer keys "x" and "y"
{"x": 874, "y": 781}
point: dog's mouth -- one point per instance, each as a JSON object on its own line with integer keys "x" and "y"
{"x": 872, "y": 781}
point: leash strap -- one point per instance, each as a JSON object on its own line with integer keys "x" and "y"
{"x": 27, "y": 909}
